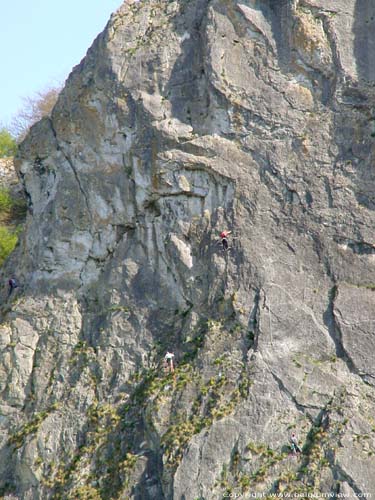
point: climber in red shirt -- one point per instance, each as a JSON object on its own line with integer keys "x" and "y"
{"x": 294, "y": 444}
{"x": 224, "y": 239}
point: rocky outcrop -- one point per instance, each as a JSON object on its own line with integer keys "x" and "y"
{"x": 9, "y": 179}
{"x": 7, "y": 172}
{"x": 186, "y": 118}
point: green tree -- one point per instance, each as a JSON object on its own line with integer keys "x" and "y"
{"x": 8, "y": 240}
{"x": 8, "y": 145}
{"x": 12, "y": 216}
{"x": 6, "y": 202}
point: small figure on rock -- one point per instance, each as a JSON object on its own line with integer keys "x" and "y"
{"x": 294, "y": 444}
{"x": 224, "y": 239}
{"x": 168, "y": 361}
{"x": 12, "y": 285}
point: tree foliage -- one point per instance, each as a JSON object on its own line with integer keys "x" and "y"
{"x": 8, "y": 145}
{"x": 6, "y": 202}
{"x": 34, "y": 109}
{"x": 8, "y": 240}
{"x": 12, "y": 216}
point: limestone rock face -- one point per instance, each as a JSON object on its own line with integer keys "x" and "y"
{"x": 187, "y": 118}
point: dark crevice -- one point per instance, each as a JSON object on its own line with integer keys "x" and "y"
{"x": 323, "y": 258}
{"x": 74, "y": 170}
{"x": 281, "y": 12}
{"x": 302, "y": 408}
{"x": 341, "y": 475}
{"x": 332, "y": 83}
{"x": 253, "y": 324}
{"x": 328, "y": 189}
{"x": 357, "y": 247}
{"x": 121, "y": 230}
{"x": 29, "y": 201}
{"x": 188, "y": 194}
{"x": 335, "y": 332}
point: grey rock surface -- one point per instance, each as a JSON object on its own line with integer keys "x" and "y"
{"x": 186, "y": 118}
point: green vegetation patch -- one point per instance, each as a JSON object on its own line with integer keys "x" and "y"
{"x": 18, "y": 438}
{"x": 8, "y": 145}
{"x": 12, "y": 214}
{"x": 214, "y": 401}
{"x": 8, "y": 241}
{"x": 260, "y": 468}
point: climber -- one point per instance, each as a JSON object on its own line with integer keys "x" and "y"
{"x": 12, "y": 285}
{"x": 294, "y": 444}
{"x": 168, "y": 360}
{"x": 224, "y": 239}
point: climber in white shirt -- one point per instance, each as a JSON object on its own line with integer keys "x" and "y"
{"x": 168, "y": 359}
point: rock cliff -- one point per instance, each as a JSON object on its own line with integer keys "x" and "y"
{"x": 186, "y": 118}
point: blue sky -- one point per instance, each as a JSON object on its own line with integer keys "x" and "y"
{"x": 41, "y": 41}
